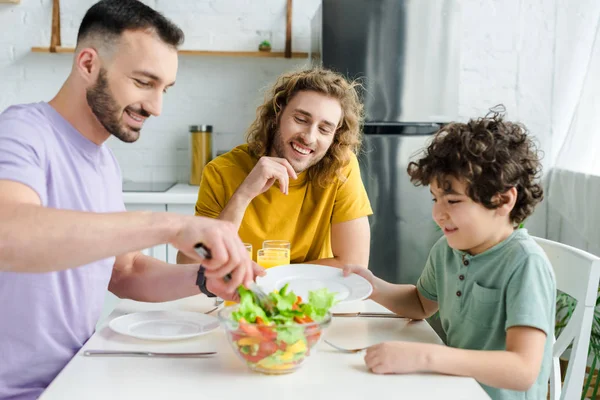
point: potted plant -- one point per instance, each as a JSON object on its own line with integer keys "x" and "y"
{"x": 265, "y": 45}
{"x": 565, "y": 306}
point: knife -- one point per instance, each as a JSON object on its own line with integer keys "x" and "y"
{"x": 368, "y": 315}
{"x": 120, "y": 353}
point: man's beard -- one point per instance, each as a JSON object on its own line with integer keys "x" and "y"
{"x": 279, "y": 149}
{"x": 106, "y": 109}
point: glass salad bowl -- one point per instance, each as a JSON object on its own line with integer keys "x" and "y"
{"x": 274, "y": 343}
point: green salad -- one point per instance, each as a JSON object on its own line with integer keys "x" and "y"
{"x": 279, "y": 338}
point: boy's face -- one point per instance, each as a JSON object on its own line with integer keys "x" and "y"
{"x": 467, "y": 225}
{"x": 306, "y": 129}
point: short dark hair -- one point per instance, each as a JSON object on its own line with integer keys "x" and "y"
{"x": 110, "y": 18}
{"x": 491, "y": 155}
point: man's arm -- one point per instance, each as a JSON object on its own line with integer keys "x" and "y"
{"x": 350, "y": 244}
{"x": 39, "y": 239}
{"x": 139, "y": 277}
{"x": 235, "y": 209}
{"x": 261, "y": 178}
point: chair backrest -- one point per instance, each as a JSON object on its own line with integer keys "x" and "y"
{"x": 577, "y": 274}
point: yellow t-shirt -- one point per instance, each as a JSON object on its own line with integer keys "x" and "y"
{"x": 303, "y": 216}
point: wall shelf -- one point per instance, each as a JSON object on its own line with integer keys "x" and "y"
{"x": 257, "y": 54}
{"x": 56, "y": 47}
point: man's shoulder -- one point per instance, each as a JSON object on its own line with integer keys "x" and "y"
{"x": 351, "y": 165}
{"x": 26, "y": 113}
{"x": 238, "y": 159}
{"x": 25, "y": 121}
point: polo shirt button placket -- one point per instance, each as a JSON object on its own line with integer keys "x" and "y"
{"x": 461, "y": 277}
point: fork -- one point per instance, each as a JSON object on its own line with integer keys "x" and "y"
{"x": 344, "y": 350}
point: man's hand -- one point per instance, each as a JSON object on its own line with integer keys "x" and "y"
{"x": 228, "y": 254}
{"x": 397, "y": 357}
{"x": 263, "y": 176}
{"x": 218, "y": 287}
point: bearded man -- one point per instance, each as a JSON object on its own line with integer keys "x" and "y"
{"x": 65, "y": 237}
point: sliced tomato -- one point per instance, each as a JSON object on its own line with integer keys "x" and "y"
{"x": 250, "y": 330}
{"x": 265, "y": 349}
{"x": 312, "y": 339}
{"x": 303, "y": 320}
{"x": 237, "y": 335}
{"x": 252, "y": 358}
{"x": 267, "y": 332}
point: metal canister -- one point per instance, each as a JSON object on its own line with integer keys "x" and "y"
{"x": 201, "y": 151}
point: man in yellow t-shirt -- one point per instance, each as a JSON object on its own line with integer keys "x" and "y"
{"x": 298, "y": 178}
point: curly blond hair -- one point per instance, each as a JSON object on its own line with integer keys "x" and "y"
{"x": 491, "y": 155}
{"x": 348, "y": 135}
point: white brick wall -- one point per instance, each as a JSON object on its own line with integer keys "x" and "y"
{"x": 507, "y": 57}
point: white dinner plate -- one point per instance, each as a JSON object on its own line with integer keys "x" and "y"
{"x": 164, "y": 325}
{"x": 305, "y": 277}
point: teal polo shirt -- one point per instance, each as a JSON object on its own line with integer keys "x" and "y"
{"x": 481, "y": 296}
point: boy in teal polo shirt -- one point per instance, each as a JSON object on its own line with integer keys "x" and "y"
{"x": 492, "y": 284}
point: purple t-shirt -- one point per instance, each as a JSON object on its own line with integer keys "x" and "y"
{"x": 46, "y": 318}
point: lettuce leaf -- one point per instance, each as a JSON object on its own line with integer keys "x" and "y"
{"x": 249, "y": 308}
{"x": 319, "y": 303}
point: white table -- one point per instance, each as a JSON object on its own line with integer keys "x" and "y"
{"x": 327, "y": 374}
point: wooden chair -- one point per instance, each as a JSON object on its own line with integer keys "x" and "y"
{"x": 578, "y": 275}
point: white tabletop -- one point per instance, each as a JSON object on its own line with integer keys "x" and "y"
{"x": 326, "y": 374}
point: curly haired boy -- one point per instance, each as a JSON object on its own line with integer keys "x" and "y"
{"x": 492, "y": 284}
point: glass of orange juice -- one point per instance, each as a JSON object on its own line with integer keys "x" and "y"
{"x": 277, "y": 244}
{"x": 249, "y": 249}
{"x": 268, "y": 258}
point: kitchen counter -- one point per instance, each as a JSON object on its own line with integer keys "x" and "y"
{"x": 181, "y": 193}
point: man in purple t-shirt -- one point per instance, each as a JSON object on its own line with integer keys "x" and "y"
{"x": 64, "y": 233}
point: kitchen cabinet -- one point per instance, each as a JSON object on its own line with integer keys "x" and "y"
{"x": 160, "y": 251}
{"x": 180, "y": 199}
{"x": 184, "y": 209}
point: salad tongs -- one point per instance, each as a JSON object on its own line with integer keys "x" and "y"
{"x": 262, "y": 298}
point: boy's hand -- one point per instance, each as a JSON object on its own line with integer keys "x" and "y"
{"x": 397, "y": 357}
{"x": 365, "y": 273}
